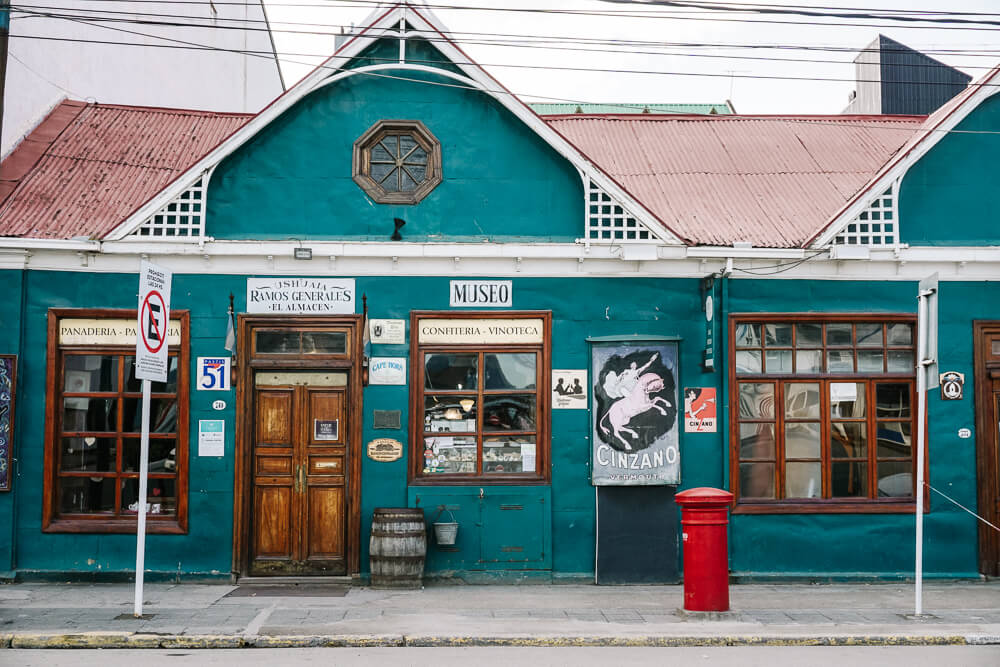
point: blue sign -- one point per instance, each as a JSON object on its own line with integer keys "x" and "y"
{"x": 213, "y": 374}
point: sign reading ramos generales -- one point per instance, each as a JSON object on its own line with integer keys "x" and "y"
{"x": 316, "y": 296}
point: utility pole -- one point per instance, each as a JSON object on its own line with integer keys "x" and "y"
{"x": 4, "y": 31}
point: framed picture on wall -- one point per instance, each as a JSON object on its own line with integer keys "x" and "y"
{"x": 8, "y": 388}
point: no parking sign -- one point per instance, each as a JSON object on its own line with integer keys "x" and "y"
{"x": 154, "y": 314}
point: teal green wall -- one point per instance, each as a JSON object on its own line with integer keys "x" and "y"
{"x": 877, "y": 544}
{"x": 11, "y": 283}
{"x": 947, "y": 198}
{"x": 293, "y": 180}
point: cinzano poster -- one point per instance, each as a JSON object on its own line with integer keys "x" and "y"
{"x": 634, "y": 430}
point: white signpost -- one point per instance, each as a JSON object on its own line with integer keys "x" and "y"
{"x": 151, "y": 364}
{"x": 927, "y": 324}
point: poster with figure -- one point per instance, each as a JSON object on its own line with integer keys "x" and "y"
{"x": 699, "y": 409}
{"x": 569, "y": 390}
{"x": 635, "y": 414}
{"x": 8, "y": 376}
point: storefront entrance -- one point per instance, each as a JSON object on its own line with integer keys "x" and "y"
{"x": 987, "y": 351}
{"x": 298, "y": 473}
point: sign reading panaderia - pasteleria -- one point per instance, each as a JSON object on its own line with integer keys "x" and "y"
{"x": 317, "y": 296}
{"x": 634, "y": 433}
{"x": 481, "y": 293}
{"x": 77, "y": 331}
{"x": 500, "y": 331}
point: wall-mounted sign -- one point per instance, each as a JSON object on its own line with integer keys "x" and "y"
{"x": 387, "y": 370}
{"x": 211, "y": 437}
{"x": 708, "y": 298}
{"x": 326, "y": 429}
{"x": 387, "y": 419}
{"x": 965, "y": 433}
{"x": 480, "y": 331}
{"x": 387, "y": 332}
{"x": 8, "y": 388}
{"x": 385, "y": 450}
{"x": 481, "y": 293}
{"x": 699, "y": 409}
{"x": 218, "y": 405}
{"x": 312, "y": 296}
{"x": 634, "y": 433}
{"x": 569, "y": 390}
{"x": 213, "y": 374}
{"x": 951, "y": 385}
{"x": 80, "y": 331}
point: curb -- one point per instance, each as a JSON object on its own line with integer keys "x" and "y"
{"x": 135, "y": 640}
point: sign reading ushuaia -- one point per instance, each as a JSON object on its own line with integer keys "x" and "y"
{"x": 316, "y": 296}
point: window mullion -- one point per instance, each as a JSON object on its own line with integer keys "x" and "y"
{"x": 480, "y": 413}
{"x": 779, "y": 439}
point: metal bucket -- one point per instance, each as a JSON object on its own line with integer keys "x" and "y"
{"x": 445, "y": 533}
{"x": 398, "y": 548}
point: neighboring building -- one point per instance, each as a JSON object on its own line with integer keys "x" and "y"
{"x": 642, "y": 301}
{"x": 221, "y": 59}
{"x": 549, "y": 109}
{"x": 892, "y": 78}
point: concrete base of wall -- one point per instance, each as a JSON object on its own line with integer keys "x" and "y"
{"x": 118, "y": 577}
{"x": 844, "y": 577}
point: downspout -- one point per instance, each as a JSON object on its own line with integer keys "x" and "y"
{"x": 723, "y": 350}
{"x": 18, "y": 429}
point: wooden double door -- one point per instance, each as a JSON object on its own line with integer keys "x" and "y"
{"x": 298, "y": 523}
{"x": 987, "y": 349}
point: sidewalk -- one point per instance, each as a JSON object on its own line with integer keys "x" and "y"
{"x": 46, "y": 615}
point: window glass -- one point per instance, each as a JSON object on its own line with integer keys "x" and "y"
{"x": 748, "y": 335}
{"x": 756, "y": 441}
{"x": 87, "y": 373}
{"x": 838, "y": 334}
{"x": 511, "y": 454}
{"x": 756, "y": 400}
{"x": 277, "y": 342}
{"x": 869, "y": 334}
{"x": 778, "y": 335}
{"x": 449, "y": 413}
{"x": 748, "y": 361}
{"x": 778, "y": 361}
{"x": 757, "y": 480}
{"x": 510, "y": 371}
{"x": 509, "y": 412}
{"x": 803, "y": 479}
{"x": 451, "y": 371}
{"x": 801, "y": 400}
{"x": 324, "y": 342}
{"x": 809, "y": 361}
{"x": 808, "y": 335}
{"x": 89, "y": 453}
{"x": 445, "y": 454}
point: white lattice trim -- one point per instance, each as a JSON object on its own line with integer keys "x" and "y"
{"x": 877, "y": 226}
{"x": 184, "y": 217}
{"x": 610, "y": 222}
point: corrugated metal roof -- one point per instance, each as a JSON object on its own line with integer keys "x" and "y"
{"x": 103, "y": 163}
{"x": 542, "y": 108}
{"x": 715, "y": 180}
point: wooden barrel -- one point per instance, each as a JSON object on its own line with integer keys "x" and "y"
{"x": 398, "y": 547}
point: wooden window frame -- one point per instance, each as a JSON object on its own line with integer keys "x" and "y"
{"x": 543, "y": 414}
{"x": 361, "y": 161}
{"x": 826, "y": 503}
{"x": 52, "y": 522}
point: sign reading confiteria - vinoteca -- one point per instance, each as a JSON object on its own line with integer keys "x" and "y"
{"x": 301, "y": 295}
{"x": 505, "y": 331}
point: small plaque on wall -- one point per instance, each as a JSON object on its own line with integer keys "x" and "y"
{"x": 387, "y": 419}
{"x": 387, "y": 332}
{"x": 384, "y": 450}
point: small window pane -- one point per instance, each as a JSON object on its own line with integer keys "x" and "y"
{"x": 90, "y": 372}
{"x": 162, "y": 455}
{"x": 757, "y": 441}
{"x": 870, "y": 361}
{"x": 381, "y": 152}
{"x": 808, "y": 335}
{"x": 506, "y": 455}
{"x": 900, "y": 334}
{"x": 848, "y": 440}
{"x": 161, "y": 498}
{"x": 383, "y": 173}
{"x": 406, "y": 144}
{"x": 801, "y": 400}
{"x": 134, "y": 385}
{"x": 779, "y": 361}
{"x": 892, "y": 401}
{"x": 418, "y": 172}
{"x": 847, "y": 400}
{"x": 803, "y": 480}
{"x": 838, "y": 334}
{"x": 747, "y": 335}
{"x": 162, "y": 415}
{"x": 90, "y": 414}
{"x": 849, "y": 479}
{"x": 840, "y": 361}
{"x": 324, "y": 342}
{"x": 779, "y": 335}
{"x": 90, "y": 453}
{"x": 509, "y": 413}
{"x": 277, "y": 342}
{"x": 417, "y": 157}
{"x": 895, "y": 479}
{"x": 510, "y": 371}
{"x": 757, "y": 480}
{"x": 86, "y": 495}
{"x": 808, "y": 361}
{"x": 446, "y": 371}
{"x": 405, "y": 182}
{"x": 894, "y": 440}
{"x": 756, "y": 400}
{"x": 748, "y": 361}
{"x": 449, "y": 455}
{"x": 869, "y": 334}
{"x": 901, "y": 361}
{"x": 802, "y": 440}
{"x": 450, "y": 414}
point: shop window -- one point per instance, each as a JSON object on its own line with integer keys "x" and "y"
{"x": 480, "y": 405}
{"x": 397, "y": 161}
{"x": 94, "y": 426}
{"x": 823, "y": 413}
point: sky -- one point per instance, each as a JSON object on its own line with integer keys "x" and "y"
{"x": 563, "y": 63}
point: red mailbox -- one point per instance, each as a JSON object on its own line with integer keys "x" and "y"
{"x": 704, "y": 516}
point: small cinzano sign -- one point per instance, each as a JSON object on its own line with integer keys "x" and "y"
{"x": 387, "y": 370}
{"x": 481, "y": 293}
{"x": 316, "y": 296}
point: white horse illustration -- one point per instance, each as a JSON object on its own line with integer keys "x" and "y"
{"x": 636, "y": 402}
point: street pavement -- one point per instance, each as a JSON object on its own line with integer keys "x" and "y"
{"x": 54, "y": 615}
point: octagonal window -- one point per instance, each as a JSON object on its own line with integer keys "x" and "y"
{"x": 397, "y": 161}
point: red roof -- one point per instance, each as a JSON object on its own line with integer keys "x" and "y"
{"x": 770, "y": 180}
{"x": 87, "y": 167}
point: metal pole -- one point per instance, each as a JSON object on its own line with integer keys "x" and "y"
{"x": 140, "y": 533}
{"x": 4, "y": 32}
{"x": 921, "y": 435}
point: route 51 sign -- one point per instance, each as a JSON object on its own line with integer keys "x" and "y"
{"x": 213, "y": 374}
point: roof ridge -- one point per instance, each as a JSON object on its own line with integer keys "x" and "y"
{"x": 168, "y": 110}
{"x": 82, "y": 158}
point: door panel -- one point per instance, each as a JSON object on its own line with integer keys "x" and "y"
{"x": 273, "y": 523}
{"x": 274, "y": 414}
{"x": 324, "y": 541}
{"x": 987, "y": 356}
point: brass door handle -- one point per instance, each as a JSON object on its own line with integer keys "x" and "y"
{"x": 302, "y": 479}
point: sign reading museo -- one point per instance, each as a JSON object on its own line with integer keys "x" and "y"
{"x": 481, "y": 293}
{"x": 317, "y": 296}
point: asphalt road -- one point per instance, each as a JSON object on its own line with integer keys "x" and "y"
{"x": 744, "y": 656}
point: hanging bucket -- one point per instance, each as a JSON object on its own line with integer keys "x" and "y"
{"x": 445, "y": 532}
{"x": 398, "y": 548}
